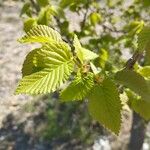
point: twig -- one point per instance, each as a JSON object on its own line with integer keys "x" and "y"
{"x": 131, "y": 62}
{"x": 59, "y": 24}
{"x": 85, "y": 16}
{"x": 113, "y": 30}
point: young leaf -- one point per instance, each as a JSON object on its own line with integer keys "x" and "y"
{"x": 103, "y": 58}
{"x": 31, "y": 63}
{"x": 29, "y": 24}
{"x": 145, "y": 71}
{"x": 94, "y": 69}
{"x": 65, "y": 3}
{"x": 45, "y": 15}
{"x": 147, "y": 58}
{"x": 79, "y": 88}
{"x": 41, "y": 34}
{"x": 135, "y": 82}
{"x": 95, "y": 18}
{"x": 42, "y": 3}
{"x": 134, "y": 27}
{"x": 144, "y": 39}
{"x": 55, "y": 68}
{"x": 26, "y": 9}
{"x": 140, "y": 106}
{"x": 82, "y": 53}
{"x": 105, "y": 105}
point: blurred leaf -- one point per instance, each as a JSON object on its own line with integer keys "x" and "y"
{"x": 95, "y": 18}
{"x": 134, "y": 27}
{"x": 147, "y": 57}
{"x": 29, "y": 24}
{"x": 43, "y": 3}
{"x": 45, "y": 15}
{"x": 103, "y": 57}
{"x": 82, "y": 53}
{"x": 113, "y": 3}
{"x": 139, "y": 106}
{"x": 64, "y": 27}
{"x": 26, "y": 9}
{"x": 66, "y": 3}
{"x": 145, "y": 71}
{"x": 135, "y": 82}
{"x": 144, "y": 39}
{"x": 146, "y": 3}
{"x": 94, "y": 69}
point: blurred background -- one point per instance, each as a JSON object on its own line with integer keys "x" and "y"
{"x": 42, "y": 122}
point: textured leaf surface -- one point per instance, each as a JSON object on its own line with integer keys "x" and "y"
{"x": 105, "y": 105}
{"x": 82, "y": 53}
{"x": 79, "y": 88}
{"x": 56, "y": 67}
{"x": 135, "y": 82}
{"x": 41, "y": 34}
{"x": 140, "y": 106}
{"x": 144, "y": 39}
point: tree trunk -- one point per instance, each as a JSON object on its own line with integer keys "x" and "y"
{"x": 137, "y": 133}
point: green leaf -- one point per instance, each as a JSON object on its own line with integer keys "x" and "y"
{"x": 95, "y": 18}
{"x": 31, "y": 63}
{"x": 94, "y": 69}
{"x": 43, "y": 3}
{"x": 56, "y": 65}
{"x": 44, "y": 17}
{"x": 146, "y": 3}
{"x": 41, "y": 34}
{"x": 82, "y": 53}
{"x": 145, "y": 71}
{"x": 79, "y": 88}
{"x": 134, "y": 27}
{"x": 26, "y": 9}
{"x": 139, "y": 106}
{"x": 113, "y": 3}
{"x": 29, "y": 24}
{"x": 144, "y": 39}
{"x": 144, "y": 43}
{"x": 147, "y": 57}
{"x": 66, "y": 3}
{"x": 135, "y": 82}
{"x": 103, "y": 58}
{"x": 46, "y": 14}
{"x": 105, "y": 105}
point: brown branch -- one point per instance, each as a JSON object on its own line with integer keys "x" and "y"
{"x": 131, "y": 62}
{"x": 113, "y": 30}
{"x": 85, "y": 15}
